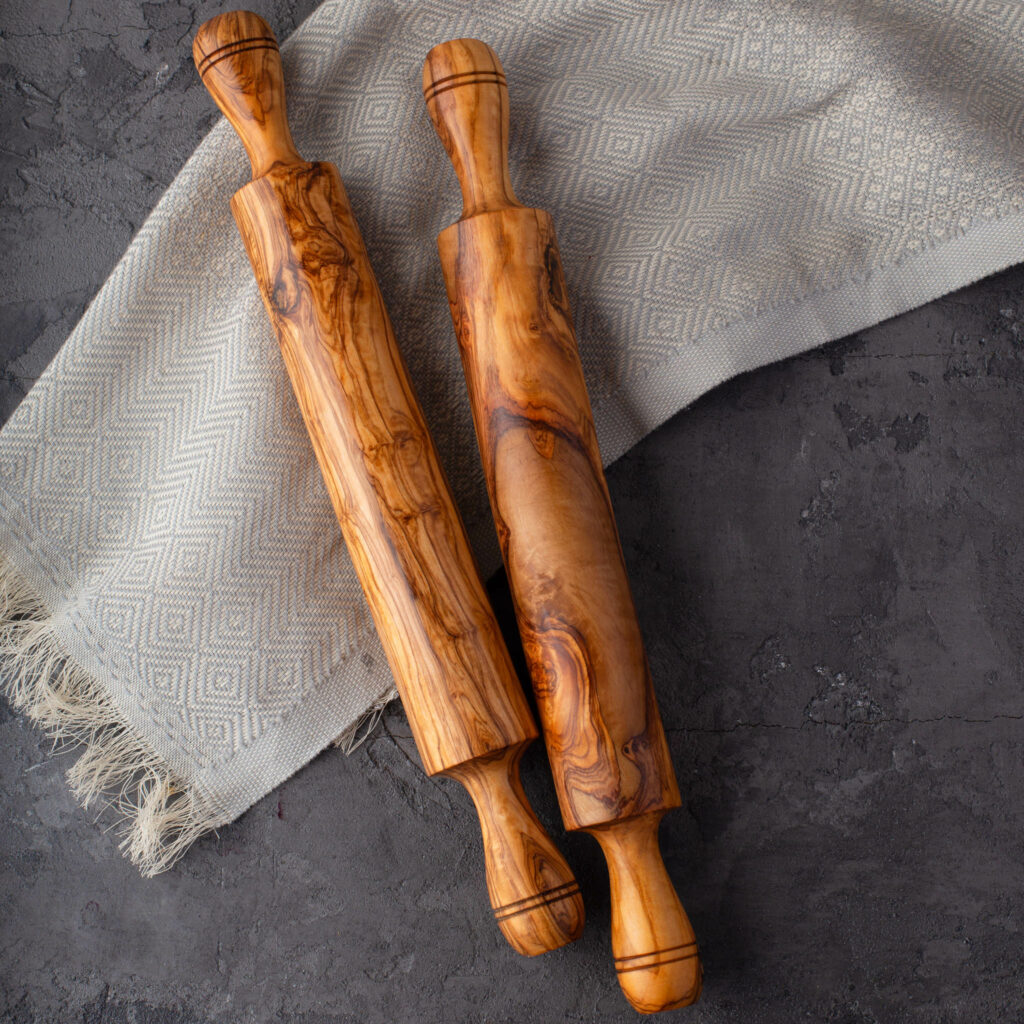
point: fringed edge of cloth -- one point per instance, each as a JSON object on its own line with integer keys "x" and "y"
{"x": 362, "y": 728}
{"x": 159, "y": 816}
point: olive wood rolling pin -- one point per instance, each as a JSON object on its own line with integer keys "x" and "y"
{"x": 466, "y": 708}
{"x": 554, "y": 519}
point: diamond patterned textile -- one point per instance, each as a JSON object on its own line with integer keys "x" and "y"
{"x": 732, "y": 183}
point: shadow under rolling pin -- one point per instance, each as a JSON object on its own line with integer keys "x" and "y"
{"x": 466, "y": 708}
{"x": 605, "y": 741}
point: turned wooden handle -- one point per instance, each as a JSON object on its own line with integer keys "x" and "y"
{"x": 655, "y": 949}
{"x": 238, "y": 60}
{"x": 608, "y": 751}
{"x": 464, "y": 88}
{"x": 407, "y": 542}
{"x": 536, "y": 900}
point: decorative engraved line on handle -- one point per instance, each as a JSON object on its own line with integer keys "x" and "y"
{"x": 463, "y": 74}
{"x": 655, "y": 952}
{"x": 657, "y": 960}
{"x": 655, "y": 963}
{"x": 468, "y": 78}
{"x": 235, "y": 46}
{"x": 540, "y": 899}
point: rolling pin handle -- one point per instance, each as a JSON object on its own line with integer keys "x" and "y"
{"x": 238, "y": 60}
{"x": 536, "y": 898}
{"x": 467, "y": 98}
{"x": 653, "y": 943}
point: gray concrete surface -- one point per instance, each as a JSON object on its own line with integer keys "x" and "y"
{"x": 828, "y": 558}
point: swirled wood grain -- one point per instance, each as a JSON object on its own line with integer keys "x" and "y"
{"x": 465, "y": 706}
{"x": 554, "y": 518}
{"x": 555, "y": 524}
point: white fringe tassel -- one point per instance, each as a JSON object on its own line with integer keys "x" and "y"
{"x": 360, "y": 730}
{"x": 160, "y": 817}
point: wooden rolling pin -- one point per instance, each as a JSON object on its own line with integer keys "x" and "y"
{"x": 466, "y": 708}
{"x": 554, "y": 519}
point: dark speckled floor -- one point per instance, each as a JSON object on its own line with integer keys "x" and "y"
{"x": 828, "y": 559}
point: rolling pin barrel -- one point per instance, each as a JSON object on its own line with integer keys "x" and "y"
{"x": 608, "y": 751}
{"x": 465, "y": 706}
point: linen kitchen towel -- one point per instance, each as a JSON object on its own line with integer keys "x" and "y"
{"x": 732, "y": 182}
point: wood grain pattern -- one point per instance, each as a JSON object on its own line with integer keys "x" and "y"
{"x": 382, "y": 471}
{"x": 553, "y": 514}
{"x": 465, "y": 706}
{"x": 554, "y": 518}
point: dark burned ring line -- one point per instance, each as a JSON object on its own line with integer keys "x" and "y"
{"x": 656, "y": 964}
{"x": 462, "y": 74}
{"x": 541, "y": 899}
{"x": 655, "y": 952}
{"x": 479, "y": 78}
{"x": 535, "y": 896}
{"x": 236, "y": 46}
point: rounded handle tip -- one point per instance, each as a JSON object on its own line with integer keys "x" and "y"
{"x": 460, "y": 62}
{"x": 665, "y": 980}
{"x": 545, "y": 920}
{"x": 655, "y": 949}
{"x": 536, "y": 898}
{"x": 225, "y": 35}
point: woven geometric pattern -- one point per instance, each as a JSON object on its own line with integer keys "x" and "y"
{"x": 731, "y": 182}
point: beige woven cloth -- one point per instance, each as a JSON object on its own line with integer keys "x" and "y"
{"x": 732, "y": 183}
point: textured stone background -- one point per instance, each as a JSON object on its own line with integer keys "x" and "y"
{"x": 828, "y": 558}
